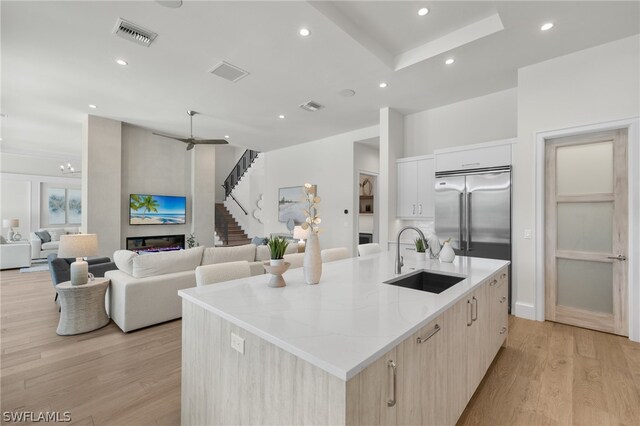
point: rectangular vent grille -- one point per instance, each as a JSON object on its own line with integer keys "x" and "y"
{"x": 229, "y": 72}
{"x": 135, "y": 33}
{"x": 311, "y": 106}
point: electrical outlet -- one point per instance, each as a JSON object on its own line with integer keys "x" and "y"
{"x": 237, "y": 343}
{"x": 527, "y": 234}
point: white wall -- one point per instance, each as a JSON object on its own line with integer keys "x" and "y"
{"x": 587, "y": 87}
{"x": 481, "y": 119}
{"x": 391, "y": 148}
{"x": 328, "y": 163}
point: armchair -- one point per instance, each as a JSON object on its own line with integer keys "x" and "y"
{"x": 60, "y": 268}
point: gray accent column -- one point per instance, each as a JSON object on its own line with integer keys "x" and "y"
{"x": 203, "y": 193}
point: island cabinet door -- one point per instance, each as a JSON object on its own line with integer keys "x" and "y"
{"x": 498, "y": 288}
{"x": 456, "y": 344}
{"x": 422, "y": 380}
{"x": 372, "y": 394}
{"x": 478, "y": 338}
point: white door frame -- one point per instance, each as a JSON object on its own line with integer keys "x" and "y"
{"x": 633, "y": 139}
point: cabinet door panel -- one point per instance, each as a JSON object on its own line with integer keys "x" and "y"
{"x": 421, "y": 377}
{"x": 407, "y": 189}
{"x": 368, "y": 394}
{"x": 426, "y": 188}
{"x": 456, "y": 348}
{"x": 475, "y": 158}
{"x": 478, "y": 342}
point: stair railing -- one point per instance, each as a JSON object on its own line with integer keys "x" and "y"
{"x": 243, "y": 164}
{"x": 222, "y": 227}
{"x": 238, "y": 203}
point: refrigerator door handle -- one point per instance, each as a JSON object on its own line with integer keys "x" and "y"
{"x": 468, "y": 221}
{"x": 460, "y": 225}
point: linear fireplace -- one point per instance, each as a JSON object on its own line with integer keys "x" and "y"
{"x": 155, "y": 243}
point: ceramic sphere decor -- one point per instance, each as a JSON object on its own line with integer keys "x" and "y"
{"x": 312, "y": 262}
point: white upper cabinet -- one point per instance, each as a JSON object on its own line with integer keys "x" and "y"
{"x": 474, "y": 157}
{"x": 416, "y": 179}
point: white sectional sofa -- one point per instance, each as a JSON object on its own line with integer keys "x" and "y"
{"x": 144, "y": 289}
{"x": 40, "y": 250}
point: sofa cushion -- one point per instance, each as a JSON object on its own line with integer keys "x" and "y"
{"x": 229, "y": 254}
{"x": 44, "y": 236}
{"x": 153, "y": 264}
{"x": 51, "y": 245}
{"x": 124, "y": 260}
{"x": 55, "y": 234}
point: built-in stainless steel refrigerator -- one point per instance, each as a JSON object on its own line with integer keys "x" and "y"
{"x": 473, "y": 208}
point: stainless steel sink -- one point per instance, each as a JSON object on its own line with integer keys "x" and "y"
{"x": 426, "y": 281}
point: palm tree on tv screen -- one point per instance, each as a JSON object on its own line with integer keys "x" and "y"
{"x": 134, "y": 202}
{"x": 149, "y": 205}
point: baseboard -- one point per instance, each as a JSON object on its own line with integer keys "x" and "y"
{"x": 525, "y": 310}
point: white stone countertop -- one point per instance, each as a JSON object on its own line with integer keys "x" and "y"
{"x": 350, "y": 318}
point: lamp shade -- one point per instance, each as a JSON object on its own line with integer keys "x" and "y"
{"x": 10, "y": 223}
{"x": 78, "y": 245}
{"x": 299, "y": 233}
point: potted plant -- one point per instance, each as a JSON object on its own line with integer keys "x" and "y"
{"x": 277, "y": 247}
{"x": 421, "y": 249}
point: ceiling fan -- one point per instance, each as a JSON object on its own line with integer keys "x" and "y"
{"x": 191, "y": 141}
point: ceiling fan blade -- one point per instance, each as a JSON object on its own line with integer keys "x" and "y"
{"x": 167, "y": 136}
{"x": 211, "y": 141}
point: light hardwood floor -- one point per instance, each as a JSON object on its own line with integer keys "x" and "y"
{"x": 548, "y": 373}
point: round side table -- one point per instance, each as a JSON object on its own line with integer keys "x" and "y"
{"x": 82, "y": 306}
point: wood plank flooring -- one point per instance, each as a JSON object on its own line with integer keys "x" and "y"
{"x": 548, "y": 373}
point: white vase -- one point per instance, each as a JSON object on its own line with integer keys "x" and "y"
{"x": 421, "y": 256}
{"x": 447, "y": 254}
{"x": 312, "y": 262}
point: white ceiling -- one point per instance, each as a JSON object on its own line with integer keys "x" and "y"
{"x": 58, "y": 57}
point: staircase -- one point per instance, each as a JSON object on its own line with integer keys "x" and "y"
{"x": 228, "y": 229}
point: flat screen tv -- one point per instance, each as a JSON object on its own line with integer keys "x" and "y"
{"x": 147, "y": 209}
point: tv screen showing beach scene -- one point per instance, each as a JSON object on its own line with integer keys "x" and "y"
{"x": 157, "y": 210}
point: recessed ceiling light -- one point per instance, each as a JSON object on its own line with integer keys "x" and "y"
{"x": 227, "y": 136}
{"x": 304, "y": 32}
{"x": 423, "y": 11}
{"x": 347, "y": 93}
{"x": 547, "y": 26}
{"x": 281, "y": 116}
{"x": 449, "y": 61}
{"x": 383, "y": 85}
{"x": 122, "y": 62}
{"x": 92, "y": 106}
{"x": 0, "y": 139}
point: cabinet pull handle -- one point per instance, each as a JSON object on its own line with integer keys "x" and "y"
{"x": 503, "y": 330}
{"x": 493, "y": 282}
{"x": 430, "y": 335}
{"x": 419, "y": 208}
{"x": 469, "y": 315}
{"x": 503, "y": 276}
{"x": 503, "y": 298}
{"x": 392, "y": 365}
{"x": 475, "y": 304}
{"x": 470, "y": 164}
{"x": 414, "y": 208}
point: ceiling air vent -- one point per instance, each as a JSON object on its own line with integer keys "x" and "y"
{"x": 135, "y": 33}
{"x": 311, "y": 106}
{"x": 228, "y": 71}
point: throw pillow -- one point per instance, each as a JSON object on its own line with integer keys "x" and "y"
{"x": 44, "y": 236}
{"x": 55, "y": 234}
{"x": 258, "y": 241}
{"x": 124, "y": 260}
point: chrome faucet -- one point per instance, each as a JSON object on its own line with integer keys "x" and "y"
{"x": 400, "y": 259}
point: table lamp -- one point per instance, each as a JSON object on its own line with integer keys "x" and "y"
{"x": 78, "y": 246}
{"x": 299, "y": 234}
{"x": 10, "y": 223}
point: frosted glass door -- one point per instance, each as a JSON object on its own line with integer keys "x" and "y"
{"x": 586, "y": 229}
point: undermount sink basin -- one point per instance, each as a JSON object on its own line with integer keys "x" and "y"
{"x": 426, "y": 281}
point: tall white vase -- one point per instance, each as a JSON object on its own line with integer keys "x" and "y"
{"x": 447, "y": 254}
{"x": 312, "y": 262}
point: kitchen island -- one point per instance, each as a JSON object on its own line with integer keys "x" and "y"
{"x": 350, "y": 350}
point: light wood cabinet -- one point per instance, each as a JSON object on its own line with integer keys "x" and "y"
{"x": 421, "y": 376}
{"x": 416, "y": 180}
{"x": 478, "y": 318}
{"x": 498, "y": 293}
